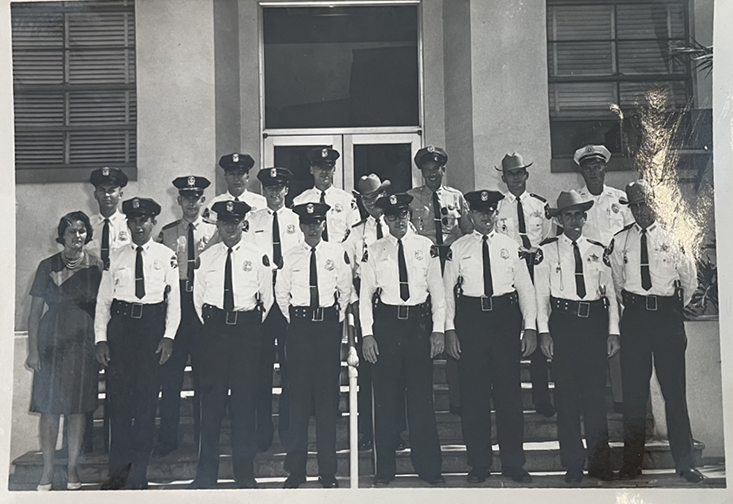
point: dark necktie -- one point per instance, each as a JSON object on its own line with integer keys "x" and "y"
{"x": 646, "y": 278}
{"x": 228, "y": 284}
{"x": 325, "y": 222}
{"x": 438, "y": 222}
{"x": 488, "y": 283}
{"x": 579, "y": 281}
{"x": 522, "y": 226}
{"x": 191, "y": 253}
{"x": 402, "y": 266}
{"x": 277, "y": 253}
{"x": 236, "y": 198}
{"x": 105, "y": 244}
{"x": 139, "y": 276}
{"x": 313, "y": 282}
{"x": 380, "y": 234}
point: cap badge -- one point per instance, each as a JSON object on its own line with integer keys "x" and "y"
{"x": 273, "y": 172}
{"x": 230, "y": 206}
{"x": 436, "y": 157}
{"x": 136, "y": 203}
{"x": 105, "y": 171}
{"x": 191, "y": 181}
{"x": 589, "y": 149}
{"x": 309, "y": 208}
{"x": 484, "y": 196}
{"x": 431, "y": 148}
{"x": 324, "y": 153}
{"x": 235, "y": 158}
{"x": 393, "y": 200}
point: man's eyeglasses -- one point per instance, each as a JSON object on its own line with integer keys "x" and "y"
{"x": 402, "y": 214}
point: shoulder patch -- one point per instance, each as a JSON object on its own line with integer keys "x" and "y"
{"x": 353, "y": 204}
{"x": 174, "y": 262}
{"x": 626, "y": 228}
{"x": 171, "y": 225}
{"x": 449, "y": 255}
{"x": 245, "y": 228}
{"x": 597, "y": 243}
{"x": 548, "y": 240}
{"x": 547, "y": 212}
{"x": 434, "y": 251}
{"x": 265, "y": 261}
{"x": 538, "y": 257}
{"x": 607, "y": 255}
{"x": 537, "y": 196}
{"x": 346, "y": 258}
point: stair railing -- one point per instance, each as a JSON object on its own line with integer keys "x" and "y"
{"x": 352, "y": 359}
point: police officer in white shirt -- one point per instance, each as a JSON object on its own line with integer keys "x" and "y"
{"x": 236, "y": 168}
{"x": 109, "y": 225}
{"x": 313, "y": 290}
{"x": 136, "y": 319}
{"x": 489, "y": 301}
{"x": 343, "y": 211}
{"x": 403, "y": 331}
{"x": 274, "y": 229}
{"x": 523, "y": 217}
{"x": 232, "y": 294}
{"x": 654, "y": 280}
{"x": 577, "y": 318}
{"x": 187, "y": 237}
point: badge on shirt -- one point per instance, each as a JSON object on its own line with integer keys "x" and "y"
{"x": 503, "y": 224}
{"x": 203, "y": 242}
{"x": 157, "y": 264}
{"x": 664, "y": 247}
{"x": 419, "y": 255}
{"x": 338, "y": 207}
{"x": 329, "y": 265}
{"x": 538, "y": 257}
{"x": 593, "y": 258}
{"x": 247, "y": 265}
{"x": 291, "y": 228}
{"x": 123, "y": 236}
{"x": 504, "y": 253}
{"x": 615, "y": 208}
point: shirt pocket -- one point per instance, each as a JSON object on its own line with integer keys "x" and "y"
{"x": 385, "y": 272}
{"x": 124, "y": 275}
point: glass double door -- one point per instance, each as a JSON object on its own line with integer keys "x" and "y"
{"x": 389, "y": 155}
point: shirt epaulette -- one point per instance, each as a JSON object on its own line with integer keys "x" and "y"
{"x": 359, "y": 223}
{"x": 537, "y": 196}
{"x": 549, "y": 240}
{"x": 597, "y": 243}
{"x": 626, "y": 228}
{"x": 171, "y": 225}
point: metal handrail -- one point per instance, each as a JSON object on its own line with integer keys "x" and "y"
{"x": 352, "y": 359}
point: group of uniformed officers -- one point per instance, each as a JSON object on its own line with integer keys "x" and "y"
{"x": 246, "y": 281}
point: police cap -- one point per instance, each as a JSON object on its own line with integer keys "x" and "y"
{"x": 236, "y": 161}
{"x": 590, "y": 152}
{"x": 430, "y": 155}
{"x": 325, "y": 157}
{"x": 140, "y": 206}
{"x": 311, "y": 212}
{"x": 108, "y": 176}
{"x": 274, "y": 176}
{"x": 191, "y": 183}
{"x": 230, "y": 210}
{"x": 394, "y": 203}
{"x": 483, "y": 200}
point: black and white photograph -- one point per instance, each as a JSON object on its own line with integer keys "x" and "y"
{"x": 377, "y": 246}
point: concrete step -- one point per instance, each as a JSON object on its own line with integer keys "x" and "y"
{"x": 181, "y": 465}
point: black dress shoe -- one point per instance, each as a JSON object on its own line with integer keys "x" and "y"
{"x": 629, "y": 473}
{"x": 478, "y": 475}
{"x": 601, "y": 474}
{"x": 248, "y": 482}
{"x": 328, "y": 481}
{"x": 294, "y": 481}
{"x": 137, "y": 484}
{"x": 381, "y": 480}
{"x": 518, "y": 474}
{"x": 692, "y": 475}
{"x": 365, "y": 444}
{"x": 163, "y": 450}
{"x": 400, "y": 443}
{"x": 545, "y": 409}
{"x": 433, "y": 480}
{"x": 118, "y": 479}
{"x": 200, "y": 485}
{"x": 574, "y": 476}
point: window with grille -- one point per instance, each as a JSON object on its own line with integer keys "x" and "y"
{"x": 603, "y": 52}
{"x": 74, "y": 85}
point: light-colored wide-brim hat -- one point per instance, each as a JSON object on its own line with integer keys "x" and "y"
{"x": 370, "y": 184}
{"x": 512, "y": 162}
{"x": 569, "y": 199}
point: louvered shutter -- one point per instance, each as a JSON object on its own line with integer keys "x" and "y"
{"x": 74, "y": 78}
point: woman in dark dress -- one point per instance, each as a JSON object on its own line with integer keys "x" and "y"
{"x": 61, "y": 343}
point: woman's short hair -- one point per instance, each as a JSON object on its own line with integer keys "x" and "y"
{"x": 70, "y": 218}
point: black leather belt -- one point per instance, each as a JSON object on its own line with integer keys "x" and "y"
{"x": 328, "y": 314}
{"x": 403, "y": 312}
{"x": 582, "y": 309}
{"x": 650, "y": 303}
{"x": 186, "y": 285}
{"x": 136, "y": 310}
{"x": 215, "y": 315}
{"x": 487, "y": 304}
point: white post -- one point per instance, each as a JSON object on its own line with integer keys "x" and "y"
{"x": 353, "y": 361}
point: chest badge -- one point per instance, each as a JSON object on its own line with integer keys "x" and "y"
{"x": 615, "y": 208}
{"x": 291, "y": 229}
{"x": 504, "y": 253}
{"x": 157, "y": 264}
{"x": 203, "y": 242}
{"x": 419, "y": 255}
{"x": 664, "y": 247}
{"x": 247, "y": 266}
{"x": 593, "y": 258}
{"x": 329, "y": 265}
{"x": 123, "y": 236}
{"x": 338, "y": 207}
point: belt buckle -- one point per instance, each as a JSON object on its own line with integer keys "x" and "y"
{"x": 583, "y": 309}
{"x": 317, "y": 315}
{"x": 486, "y": 303}
{"x": 230, "y": 317}
{"x": 403, "y": 312}
{"x": 136, "y": 314}
{"x": 189, "y": 286}
{"x": 651, "y": 303}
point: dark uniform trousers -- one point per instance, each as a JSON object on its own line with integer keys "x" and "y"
{"x": 661, "y": 333}
{"x": 537, "y": 361}
{"x": 228, "y": 364}
{"x": 489, "y": 368}
{"x": 133, "y": 382}
{"x": 313, "y": 353}
{"x": 185, "y": 344}
{"x": 579, "y": 370}
{"x": 274, "y": 330}
{"x": 404, "y": 357}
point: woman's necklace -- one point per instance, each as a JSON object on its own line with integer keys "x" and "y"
{"x": 73, "y": 263}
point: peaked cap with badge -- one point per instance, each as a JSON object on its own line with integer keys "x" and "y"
{"x": 274, "y": 176}
{"x": 371, "y": 184}
{"x": 590, "y": 152}
{"x": 323, "y": 157}
{"x": 512, "y": 162}
{"x": 394, "y": 203}
{"x": 230, "y": 210}
{"x": 191, "y": 183}
{"x": 569, "y": 199}
{"x": 140, "y": 206}
{"x": 430, "y": 154}
{"x": 109, "y": 176}
{"x": 483, "y": 200}
{"x": 311, "y": 212}
{"x": 236, "y": 161}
